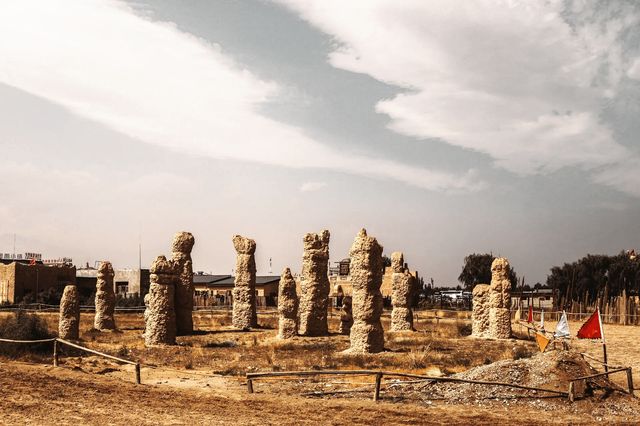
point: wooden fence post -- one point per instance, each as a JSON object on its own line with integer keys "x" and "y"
{"x": 630, "y": 381}
{"x": 571, "y": 392}
{"x": 376, "y": 392}
{"x": 138, "y": 373}
{"x": 250, "y": 385}
{"x": 55, "y": 353}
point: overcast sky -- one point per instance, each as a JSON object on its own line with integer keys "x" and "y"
{"x": 444, "y": 128}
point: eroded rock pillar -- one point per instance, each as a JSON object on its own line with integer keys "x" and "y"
{"x": 244, "y": 291}
{"x": 181, "y": 256}
{"x": 480, "y": 312}
{"x": 500, "y": 300}
{"x": 346, "y": 316}
{"x": 401, "y": 294}
{"x": 367, "y": 335}
{"x": 69, "y": 322}
{"x": 105, "y": 299}
{"x": 287, "y": 306}
{"x": 314, "y": 285}
{"x": 160, "y": 314}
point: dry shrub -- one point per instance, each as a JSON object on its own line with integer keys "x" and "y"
{"x": 23, "y": 326}
{"x": 419, "y": 359}
{"x": 521, "y": 352}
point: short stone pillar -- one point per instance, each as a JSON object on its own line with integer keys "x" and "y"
{"x": 181, "y": 256}
{"x": 314, "y": 285}
{"x": 367, "y": 335}
{"x": 500, "y": 300}
{"x": 160, "y": 314}
{"x": 69, "y": 322}
{"x": 346, "y": 316}
{"x": 287, "y": 306}
{"x": 244, "y": 290}
{"x": 105, "y": 299}
{"x": 401, "y": 294}
{"x": 480, "y": 311}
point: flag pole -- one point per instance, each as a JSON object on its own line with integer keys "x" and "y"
{"x": 604, "y": 343}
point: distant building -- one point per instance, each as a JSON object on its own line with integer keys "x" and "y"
{"x": 126, "y": 282}
{"x": 213, "y": 290}
{"x": 19, "y": 278}
{"x": 538, "y": 298}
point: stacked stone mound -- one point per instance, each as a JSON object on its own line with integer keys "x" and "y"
{"x": 69, "y": 322}
{"x": 346, "y": 316}
{"x": 401, "y": 294}
{"x": 500, "y": 300}
{"x": 367, "y": 335}
{"x": 160, "y": 314}
{"x": 105, "y": 298}
{"x": 244, "y": 291}
{"x": 181, "y": 256}
{"x": 480, "y": 313}
{"x": 314, "y": 285}
{"x": 287, "y": 306}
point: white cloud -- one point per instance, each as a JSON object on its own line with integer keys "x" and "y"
{"x": 312, "y": 186}
{"x": 507, "y": 78}
{"x": 155, "y": 83}
{"x": 634, "y": 70}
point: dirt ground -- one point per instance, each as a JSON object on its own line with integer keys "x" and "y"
{"x": 201, "y": 380}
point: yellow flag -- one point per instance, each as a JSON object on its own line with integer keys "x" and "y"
{"x": 543, "y": 341}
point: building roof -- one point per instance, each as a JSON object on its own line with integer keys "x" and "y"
{"x": 229, "y": 281}
{"x": 208, "y": 278}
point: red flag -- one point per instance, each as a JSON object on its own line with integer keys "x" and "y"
{"x": 530, "y": 316}
{"x": 591, "y": 329}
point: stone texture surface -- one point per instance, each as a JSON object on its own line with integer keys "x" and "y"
{"x": 401, "y": 294}
{"x": 500, "y": 300}
{"x": 367, "y": 335}
{"x": 287, "y": 306}
{"x": 160, "y": 314}
{"x": 181, "y": 256}
{"x": 314, "y": 285}
{"x": 480, "y": 313}
{"x": 244, "y": 291}
{"x": 105, "y": 300}
{"x": 69, "y": 322}
{"x": 346, "y": 316}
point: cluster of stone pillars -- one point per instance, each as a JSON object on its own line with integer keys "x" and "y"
{"x": 491, "y": 315}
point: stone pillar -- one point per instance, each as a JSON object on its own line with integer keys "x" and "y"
{"x": 314, "y": 285}
{"x": 367, "y": 335}
{"x": 105, "y": 300}
{"x": 160, "y": 314}
{"x": 500, "y": 300}
{"x": 181, "y": 256}
{"x": 346, "y": 316}
{"x": 69, "y": 322}
{"x": 287, "y": 306}
{"x": 244, "y": 291}
{"x": 401, "y": 294}
{"x": 480, "y": 313}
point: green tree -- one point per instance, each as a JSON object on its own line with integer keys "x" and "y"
{"x": 477, "y": 270}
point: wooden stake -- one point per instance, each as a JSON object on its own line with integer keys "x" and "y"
{"x": 376, "y": 392}
{"x": 250, "y": 385}
{"x": 138, "y": 373}
{"x": 630, "y": 381}
{"x": 55, "y": 353}
{"x": 604, "y": 343}
{"x": 572, "y": 396}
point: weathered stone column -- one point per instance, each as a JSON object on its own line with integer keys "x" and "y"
{"x": 181, "y": 255}
{"x": 244, "y": 291}
{"x": 314, "y": 285}
{"x": 367, "y": 335}
{"x": 287, "y": 306}
{"x": 346, "y": 316}
{"x": 480, "y": 312}
{"x": 160, "y": 314}
{"x": 401, "y": 295}
{"x": 69, "y": 322}
{"x": 105, "y": 300}
{"x": 500, "y": 300}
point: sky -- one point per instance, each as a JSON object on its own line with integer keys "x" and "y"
{"x": 443, "y": 128}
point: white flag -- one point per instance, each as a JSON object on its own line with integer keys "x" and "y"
{"x": 542, "y": 319}
{"x": 562, "y": 329}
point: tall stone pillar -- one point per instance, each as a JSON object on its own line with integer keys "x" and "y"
{"x": 244, "y": 291}
{"x": 480, "y": 311}
{"x": 500, "y": 300}
{"x": 181, "y": 256}
{"x": 314, "y": 285}
{"x": 105, "y": 300}
{"x": 287, "y": 306}
{"x": 160, "y": 314}
{"x": 69, "y": 322}
{"x": 367, "y": 335}
{"x": 401, "y": 295}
